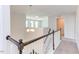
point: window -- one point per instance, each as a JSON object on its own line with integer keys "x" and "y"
{"x": 27, "y": 23}
{"x": 36, "y": 21}
{"x": 36, "y": 24}
{"x": 33, "y": 24}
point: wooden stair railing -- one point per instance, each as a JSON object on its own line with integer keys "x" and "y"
{"x": 47, "y": 36}
{"x": 21, "y": 45}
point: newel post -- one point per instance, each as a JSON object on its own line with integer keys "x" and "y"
{"x": 53, "y": 41}
{"x": 21, "y": 46}
{"x": 60, "y": 34}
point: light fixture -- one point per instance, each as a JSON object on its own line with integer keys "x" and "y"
{"x": 30, "y": 30}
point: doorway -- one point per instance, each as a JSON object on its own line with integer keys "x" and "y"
{"x": 60, "y": 25}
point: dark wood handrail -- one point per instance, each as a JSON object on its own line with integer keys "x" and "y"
{"x": 12, "y": 40}
{"x": 21, "y": 45}
{"x": 47, "y": 36}
{"x": 26, "y": 43}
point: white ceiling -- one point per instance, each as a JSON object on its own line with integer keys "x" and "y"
{"x": 45, "y": 10}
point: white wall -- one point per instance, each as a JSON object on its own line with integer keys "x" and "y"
{"x": 69, "y": 26}
{"x": 45, "y": 23}
{"x": 77, "y": 27}
{"x": 4, "y": 28}
{"x": 17, "y": 26}
{"x": 52, "y": 22}
{"x": 1, "y": 29}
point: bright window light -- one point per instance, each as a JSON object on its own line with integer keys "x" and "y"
{"x": 36, "y": 24}
{"x": 27, "y": 23}
{"x": 36, "y": 21}
{"x": 32, "y": 23}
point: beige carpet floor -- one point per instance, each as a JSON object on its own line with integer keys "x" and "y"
{"x": 67, "y": 47}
